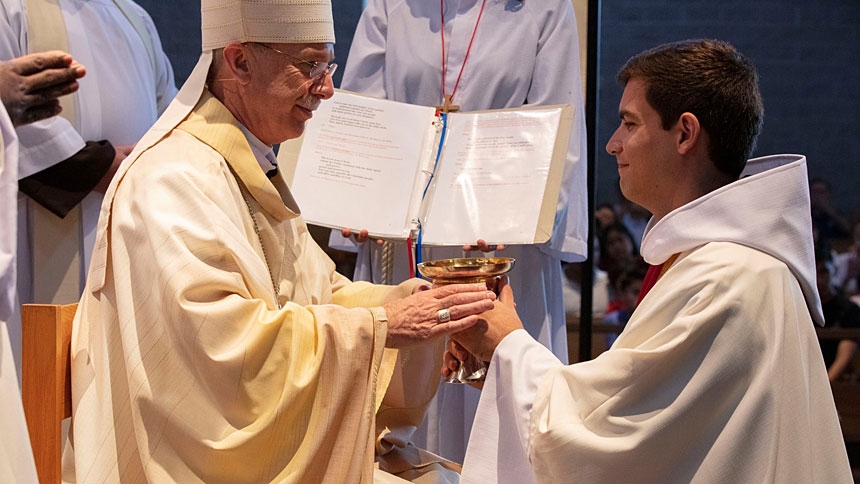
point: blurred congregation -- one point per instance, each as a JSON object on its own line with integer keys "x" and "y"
{"x": 620, "y": 270}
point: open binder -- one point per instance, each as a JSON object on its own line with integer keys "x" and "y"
{"x": 392, "y": 168}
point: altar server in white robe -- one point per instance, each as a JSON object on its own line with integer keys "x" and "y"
{"x": 29, "y": 87}
{"x": 497, "y": 55}
{"x": 718, "y": 376}
{"x": 67, "y": 162}
{"x": 214, "y": 341}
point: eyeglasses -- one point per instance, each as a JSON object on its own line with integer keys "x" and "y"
{"x": 315, "y": 69}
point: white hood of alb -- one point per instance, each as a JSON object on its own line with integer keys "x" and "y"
{"x": 767, "y": 209}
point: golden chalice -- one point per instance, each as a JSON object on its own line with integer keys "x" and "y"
{"x": 464, "y": 271}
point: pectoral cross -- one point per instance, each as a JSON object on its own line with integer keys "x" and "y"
{"x": 448, "y": 106}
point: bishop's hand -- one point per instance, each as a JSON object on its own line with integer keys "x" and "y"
{"x": 433, "y": 313}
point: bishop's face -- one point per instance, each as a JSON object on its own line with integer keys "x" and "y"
{"x": 288, "y": 94}
{"x": 644, "y": 151}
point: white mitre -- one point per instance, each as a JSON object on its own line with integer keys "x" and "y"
{"x": 279, "y": 22}
{"x": 224, "y": 22}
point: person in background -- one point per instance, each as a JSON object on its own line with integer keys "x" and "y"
{"x": 605, "y": 216}
{"x": 618, "y": 250}
{"x": 717, "y": 376}
{"x": 847, "y": 266}
{"x": 29, "y": 88}
{"x": 626, "y": 287}
{"x": 67, "y": 162}
{"x": 214, "y": 341}
{"x": 572, "y": 290}
{"x": 830, "y": 224}
{"x": 474, "y": 55}
{"x": 635, "y": 218}
{"x": 839, "y": 312}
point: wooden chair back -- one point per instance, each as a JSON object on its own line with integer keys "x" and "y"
{"x": 47, "y": 384}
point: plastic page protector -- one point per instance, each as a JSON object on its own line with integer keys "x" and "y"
{"x": 492, "y": 177}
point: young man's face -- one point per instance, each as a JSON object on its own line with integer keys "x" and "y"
{"x": 643, "y": 150}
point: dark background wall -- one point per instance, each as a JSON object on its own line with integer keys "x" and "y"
{"x": 808, "y": 58}
{"x": 178, "y": 24}
{"x": 807, "y": 53}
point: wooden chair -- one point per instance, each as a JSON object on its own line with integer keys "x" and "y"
{"x": 47, "y": 384}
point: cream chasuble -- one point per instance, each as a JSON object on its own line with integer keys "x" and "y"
{"x": 187, "y": 367}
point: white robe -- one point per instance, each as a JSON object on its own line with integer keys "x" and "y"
{"x": 717, "y": 377}
{"x": 121, "y": 96}
{"x": 16, "y": 457}
{"x": 523, "y": 53}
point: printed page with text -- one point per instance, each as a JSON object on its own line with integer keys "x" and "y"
{"x": 359, "y": 162}
{"x": 364, "y": 163}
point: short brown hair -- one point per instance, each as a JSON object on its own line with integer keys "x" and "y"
{"x": 714, "y": 82}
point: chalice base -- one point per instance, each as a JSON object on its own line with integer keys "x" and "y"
{"x": 471, "y": 370}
